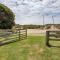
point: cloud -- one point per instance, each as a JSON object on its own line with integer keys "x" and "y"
{"x": 29, "y": 9}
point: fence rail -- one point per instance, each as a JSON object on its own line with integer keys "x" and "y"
{"x": 22, "y": 34}
{"x": 52, "y": 35}
{"x": 7, "y": 36}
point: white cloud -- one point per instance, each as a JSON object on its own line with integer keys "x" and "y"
{"x": 29, "y": 9}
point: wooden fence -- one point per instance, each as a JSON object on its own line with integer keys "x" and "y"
{"x": 22, "y": 34}
{"x": 7, "y": 36}
{"x": 52, "y": 35}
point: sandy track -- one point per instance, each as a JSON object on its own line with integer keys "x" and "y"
{"x": 35, "y": 32}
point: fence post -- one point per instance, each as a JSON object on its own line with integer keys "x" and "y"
{"x": 47, "y": 38}
{"x": 19, "y": 34}
{"x": 26, "y": 33}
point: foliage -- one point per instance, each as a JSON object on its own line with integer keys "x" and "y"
{"x": 30, "y": 26}
{"x": 6, "y": 17}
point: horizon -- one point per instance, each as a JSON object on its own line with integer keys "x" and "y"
{"x": 37, "y": 24}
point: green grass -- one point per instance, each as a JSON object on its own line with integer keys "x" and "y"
{"x": 32, "y": 48}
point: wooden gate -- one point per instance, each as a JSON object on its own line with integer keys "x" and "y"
{"x": 22, "y": 34}
{"x": 52, "y": 35}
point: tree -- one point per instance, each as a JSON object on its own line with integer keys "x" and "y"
{"x": 7, "y": 17}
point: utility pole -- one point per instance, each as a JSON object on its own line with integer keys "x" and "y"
{"x": 53, "y": 20}
{"x": 43, "y": 21}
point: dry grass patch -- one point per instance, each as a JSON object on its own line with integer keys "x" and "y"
{"x": 36, "y": 48}
{"x": 26, "y": 46}
{"x": 34, "y": 51}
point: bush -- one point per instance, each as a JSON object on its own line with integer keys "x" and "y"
{"x": 6, "y": 17}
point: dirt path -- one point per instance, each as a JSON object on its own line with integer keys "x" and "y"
{"x": 35, "y": 32}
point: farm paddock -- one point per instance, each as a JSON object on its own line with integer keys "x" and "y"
{"x": 32, "y": 48}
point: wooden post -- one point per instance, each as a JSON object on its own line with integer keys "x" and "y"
{"x": 47, "y": 38}
{"x": 19, "y": 34}
{"x": 26, "y": 33}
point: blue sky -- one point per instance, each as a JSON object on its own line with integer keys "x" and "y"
{"x": 32, "y": 11}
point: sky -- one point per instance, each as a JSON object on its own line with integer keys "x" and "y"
{"x": 32, "y": 11}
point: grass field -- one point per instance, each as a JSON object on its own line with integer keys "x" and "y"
{"x": 32, "y": 48}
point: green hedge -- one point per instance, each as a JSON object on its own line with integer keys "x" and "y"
{"x": 7, "y": 17}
